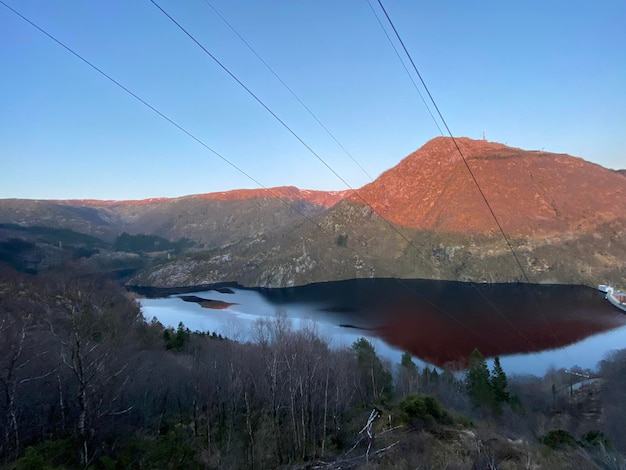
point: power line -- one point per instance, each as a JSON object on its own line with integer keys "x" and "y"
{"x": 494, "y": 307}
{"x": 134, "y": 95}
{"x": 283, "y": 123}
{"x": 308, "y": 110}
{"x": 155, "y": 110}
{"x": 404, "y": 67}
{"x": 189, "y": 134}
{"x": 484, "y": 197}
{"x": 182, "y": 129}
{"x": 506, "y": 238}
{"x": 253, "y": 95}
{"x": 275, "y": 116}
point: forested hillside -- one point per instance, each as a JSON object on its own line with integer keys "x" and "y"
{"x": 87, "y": 383}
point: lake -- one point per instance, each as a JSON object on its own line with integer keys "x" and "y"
{"x": 531, "y": 327}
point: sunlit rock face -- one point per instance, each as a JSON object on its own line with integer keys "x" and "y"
{"x": 533, "y": 194}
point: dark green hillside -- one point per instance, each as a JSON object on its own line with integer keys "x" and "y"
{"x": 148, "y": 243}
{"x": 30, "y": 249}
{"x": 213, "y": 222}
{"x": 54, "y": 236}
{"x": 97, "y": 222}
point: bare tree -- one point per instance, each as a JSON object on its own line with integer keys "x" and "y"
{"x": 94, "y": 328}
{"x": 13, "y": 334}
{"x": 21, "y": 347}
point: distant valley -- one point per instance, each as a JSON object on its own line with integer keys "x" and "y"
{"x": 425, "y": 218}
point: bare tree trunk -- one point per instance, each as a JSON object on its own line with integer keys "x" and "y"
{"x": 11, "y": 417}
{"x": 61, "y": 403}
{"x": 195, "y": 408}
{"x": 303, "y": 404}
{"x": 249, "y": 428}
{"x": 294, "y": 426}
{"x": 76, "y": 366}
{"x": 208, "y": 428}
{"x": 82, "y": 418}
{"x": 325, "y": 411}
{"x": 10, "y": 391}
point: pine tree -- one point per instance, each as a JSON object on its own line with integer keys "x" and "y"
{"x": 499, "y": 383}
{"x": 375, "y": 377}
{"x": 478, "y": 381}
{"x": 408, "y": 375}
{"x": 407, "y": 362}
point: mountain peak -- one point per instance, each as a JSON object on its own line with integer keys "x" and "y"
{"x": 470, "y": 148}
{"x": 532, "y": 193}
{"x": 465, "y": 143}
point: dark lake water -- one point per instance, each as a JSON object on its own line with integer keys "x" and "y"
{"x": 531, "y": 327}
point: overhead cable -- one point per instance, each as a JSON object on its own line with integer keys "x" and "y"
{"x": 307, "y": 109}
{"x": 310, "y": 149}
{"x": 203, "y": 144}
{"x": 473, "y": 176}
{"x": 395, "y": 49}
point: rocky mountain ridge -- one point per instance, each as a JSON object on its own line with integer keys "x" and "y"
{"x": 424, "y": 218}
{"x": 532, "y": 193}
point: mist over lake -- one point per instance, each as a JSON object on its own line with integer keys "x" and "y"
{"x": 531, "y": 327}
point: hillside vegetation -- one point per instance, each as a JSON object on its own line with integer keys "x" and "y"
{"x": 88, "y": 383}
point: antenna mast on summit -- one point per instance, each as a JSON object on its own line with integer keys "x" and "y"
{"x": 484, "y": 138}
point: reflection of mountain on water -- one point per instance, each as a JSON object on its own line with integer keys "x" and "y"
{"x": 441, "y": 322}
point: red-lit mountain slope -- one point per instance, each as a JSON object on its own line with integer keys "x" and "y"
{"x": 532, "y": 193}
{"x": 289, "y": 193}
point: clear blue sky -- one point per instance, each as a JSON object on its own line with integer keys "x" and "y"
{"x": 532, "y": 74}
